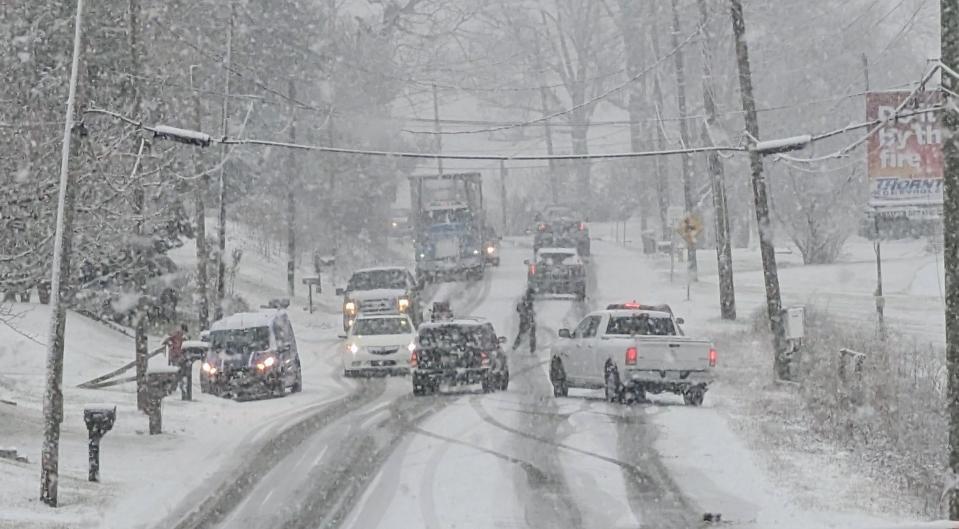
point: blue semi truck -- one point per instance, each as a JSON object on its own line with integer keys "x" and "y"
{"x": 447, "y": 215}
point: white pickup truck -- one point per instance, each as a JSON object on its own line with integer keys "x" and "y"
{"x": 631, "y": 349}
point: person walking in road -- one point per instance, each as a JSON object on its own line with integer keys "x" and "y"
{"x": 527, "y": 321}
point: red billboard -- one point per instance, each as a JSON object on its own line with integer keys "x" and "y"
{"x": 905, "y": 154}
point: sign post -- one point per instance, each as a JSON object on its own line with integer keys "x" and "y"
{"x": 689, "y": 229}
{"x": 309, "y": 282}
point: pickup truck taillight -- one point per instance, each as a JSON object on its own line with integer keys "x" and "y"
{"x": 713, "y": 357}
{"x": 484, "y": 359}
{"x": 631, "y": 355}
{"x": 532, "y": 269}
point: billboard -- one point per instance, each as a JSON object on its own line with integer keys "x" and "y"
{"x": 905, "y": 167}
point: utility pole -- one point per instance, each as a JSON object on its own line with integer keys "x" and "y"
{"x": 199, "y": 194}
{"x": 437, "y": 129}
{"x": 547, "y": 128}
{"x": 949, "y": 29}
{"x": 724, "y": 251}
{"x": 877, "y": 244}
{"x": 688, "y": 201}
{"x": 59, "y": 280}
{"x": 225, "y": 128}
{"x": 291, "y": 200}
{"x": 662, "y": 183}
{"x": 502, "y": 191}
{"x": 140, "y": 332}
{"x": 766, "y": 242}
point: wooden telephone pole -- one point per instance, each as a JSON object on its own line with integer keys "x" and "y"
{"x": 949, "y": 25}
{"x": 62, "y": 248}
{"x": 760, "y": 197}
{"x": 714, "y": 164}
{"x": 688, "y": 202}
{"x": 225, "y": 127}
{"x": 291, "y": 201}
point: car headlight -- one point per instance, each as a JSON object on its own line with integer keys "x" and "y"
{"x": 422, "y": 256}
{"x": 411, "y": 346}
{"x": 490, "y": 250}
{"x": 267, "y": 362}
{"x": 403, "y": 304}
{"x": 476, "y": 252}
{"x": 354, "y": 348}
{"x": 395, "y": 224}
{"x": 350, "y": 307}
{"x": 207, "y": 368}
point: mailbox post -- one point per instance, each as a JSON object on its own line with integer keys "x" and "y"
{"x": 309, "y": 282}
{"x": 161, "y": 381}
{"x": 99, "y": 419}
{"x": 193, "y": 350}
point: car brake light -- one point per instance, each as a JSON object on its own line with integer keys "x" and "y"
{"x": 532, "y": 269}
{"x": 582, "y": 226}
{"x": 542, "y": 227}
{"x": 414, "y": 357}
{"x": 632, "y": 305}
{"x": 713, "y": 357}
{"x": 631, "y": 354}
{"x": 484, "y": 358}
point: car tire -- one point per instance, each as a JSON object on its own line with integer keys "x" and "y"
{"x": 694, "y": 396}
{"x": 421, "y": 386}
{"x": 297, "y": 383}
{"x": 639, "y": 393}
{"x": 613, "y": 387}
{"x": 504, "y": 381}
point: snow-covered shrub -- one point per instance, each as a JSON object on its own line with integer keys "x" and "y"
{"x": 891, "y": 414}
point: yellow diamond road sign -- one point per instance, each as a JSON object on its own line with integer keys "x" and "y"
{"x": 689, "y": 228}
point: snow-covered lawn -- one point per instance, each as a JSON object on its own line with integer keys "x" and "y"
{"x": 143, "y": 476}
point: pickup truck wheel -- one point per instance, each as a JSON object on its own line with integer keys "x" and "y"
{"x": 557, "y": 377}
{"x": 694, "y": 396}
{"x": 504, "y": 381}
{"x": 614, "y": 390}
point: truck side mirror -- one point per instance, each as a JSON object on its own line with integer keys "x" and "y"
{"x": 340, "y": 292}
{"x": 501, "y": 339}
{"x": 680, "y": 321}
{"x": 564, "y": 333}
{"x": 526, "y": 262}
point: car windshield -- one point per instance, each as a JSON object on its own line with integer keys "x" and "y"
{"x": 241, "y": 341}
{"x": 373, "y": 279}
{"x": 378, "y": 326}
{"x": 641, "y": 325}
{"x": 556, "y": 258}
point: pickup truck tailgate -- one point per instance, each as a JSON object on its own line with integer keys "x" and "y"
{"x": 671, "y": 353}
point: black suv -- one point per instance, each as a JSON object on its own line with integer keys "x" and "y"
{"x": 561, "y": 227}
{"x": 457, "y": 352}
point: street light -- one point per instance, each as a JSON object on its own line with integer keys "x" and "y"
{"x": 190, "y": 137}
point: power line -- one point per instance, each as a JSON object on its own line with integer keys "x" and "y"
{"x": 420, "y": 155}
